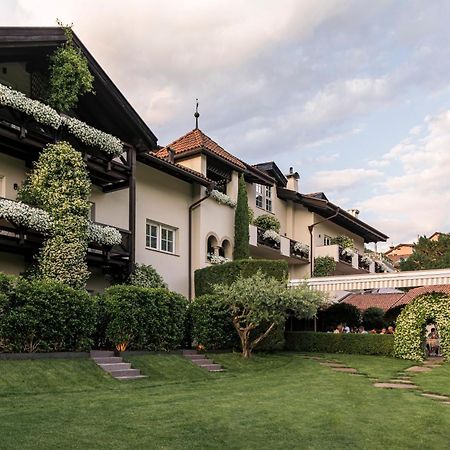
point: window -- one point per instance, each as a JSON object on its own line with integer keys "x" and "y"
{"x": 264, "y": 197}
{"x": 160, "y": 237}
{"x": 326, "y": 240}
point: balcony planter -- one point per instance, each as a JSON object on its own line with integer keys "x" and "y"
{"x": 364, "y": 262}
{"x": 269, "y": 238}
{"x": 217, "y": 259}
{"x": 299, "y": 250}
{"x": 346, "y": 254}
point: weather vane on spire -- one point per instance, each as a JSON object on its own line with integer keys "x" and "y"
{"x": 196, "y": 114}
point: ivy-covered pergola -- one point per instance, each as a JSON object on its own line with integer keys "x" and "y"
{"x": 412, "y": 321}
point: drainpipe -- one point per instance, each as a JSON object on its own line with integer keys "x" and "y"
{"x": 191, "y": 208}
{"x": 311, "y": 255}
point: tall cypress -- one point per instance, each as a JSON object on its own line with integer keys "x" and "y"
{"x": 241, "y": 223}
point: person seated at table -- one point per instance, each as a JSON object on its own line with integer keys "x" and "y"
{"x": 433, "y": 342}
{"x": 390, "y": 330}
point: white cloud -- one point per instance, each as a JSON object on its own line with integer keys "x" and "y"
{"x": 341, "y": 180}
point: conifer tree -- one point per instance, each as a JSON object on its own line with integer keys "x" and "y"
{"x": 241, "y": 223}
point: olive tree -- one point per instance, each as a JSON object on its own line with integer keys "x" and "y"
{"x": 263, "y": 302}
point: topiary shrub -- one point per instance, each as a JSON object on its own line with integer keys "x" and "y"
{"x": 146, "y": 276}
{"x": 373, "y": 318}
{"x": 70, "y": 77}
{"x": 341, "y": 313}
{"x": 241, "y": 223}
{"x": 411, "y": 326}
{"x": 43, "y": 315}
{"x": 211, "y": 323}
{"x": 362, "y": 344}
{"x": 227, "y": 273}
{"x": 324, "y": 266}
{"x": 144, "y": 319}
{"x": 267, "y": 222}
{"x": 343, "y": 241}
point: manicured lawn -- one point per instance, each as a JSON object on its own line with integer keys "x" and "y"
{"x": 279, "y": 401}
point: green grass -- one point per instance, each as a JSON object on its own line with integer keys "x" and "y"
{"x": 279, "y": 401}
{"x": 436, "y": 381}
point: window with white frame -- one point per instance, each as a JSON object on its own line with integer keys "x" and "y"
{"x": 160, "y": 237}
{"x": 326, "y": 240}
{"x": 264, "y": 197}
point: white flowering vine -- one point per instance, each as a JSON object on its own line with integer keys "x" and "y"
{"x": 39, "y": 111}
{"x": 410, "y": 331}
{"x": 222, "y": 198}
{"x": 348, "y": 252}
{"x": 367, "y": 260}
{"x": 92, "y": 137}
{"x": 38, "y": 220}
{"x": 301, "y": 248}
{"x": 46, "y": 115}
{"x": 271, "y": 235}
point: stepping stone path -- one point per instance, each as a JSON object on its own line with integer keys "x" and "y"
{"x": 115, "y": 366}
{"x": 201, "y": 360}
{"x": 401, "y": 381}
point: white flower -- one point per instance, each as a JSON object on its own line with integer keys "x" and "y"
{"x": 104, "y": 234}
{"x": 215, "y": 259}
{"x": 93, "y": 137}
{"x": 223, "y": 199}
{"x": 273, "y": 235}
{"x": 366, "y": 260}
{"x": 24, "y": 215}
{"x": 41, "y": 113}
{"x": 348, "y": 251}
{"x": 301, "y": 248}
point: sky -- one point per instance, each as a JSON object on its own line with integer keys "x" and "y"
{"x": 354, "y": 94}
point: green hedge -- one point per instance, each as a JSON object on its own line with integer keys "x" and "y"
{"x": 226, "y": 273}
{"x": 362, "y": 344}
{"x": 148, "y": 319}
{"x": 45, "y": 316}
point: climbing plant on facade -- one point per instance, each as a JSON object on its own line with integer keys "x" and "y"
{"x": 70, "y": 77}
{"x": 59, "y": 184}
{"x": 410, "y": 330}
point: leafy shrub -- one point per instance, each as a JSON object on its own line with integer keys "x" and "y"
{"x": 146, "y": 276}
{"x": 143, "y": 318}
{"x": 6, "y": 284}
{"x": 390, "y": 316}
{"x": 46, "y": 315}
{"x": 410, "y": 326}
{"x": 343, "y": 241}
{"x": 211, "y": 323}
{"x": 70, "y": 77}
{"x": 324, "y": 266}
{"x": 341, "y": 313}
{"x": 241, "y": 222}
{"x": 373, "y": 318}
{"x": 227, "y": 273}
{"x": 267, "y": 222}
{"x": 362, "y": 344}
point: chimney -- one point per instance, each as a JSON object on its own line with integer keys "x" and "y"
{"x": 170, "y": 155}
{"x": 292, "y": 177}
{"x": 354, "y": 212}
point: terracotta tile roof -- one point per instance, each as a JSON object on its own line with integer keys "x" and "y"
{"x": 413, "y": 293}
{"x": 364, "y": 301}
{"x": 197, "y": 140}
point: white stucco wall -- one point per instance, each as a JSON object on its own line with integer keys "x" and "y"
{"x": 12, "y": 171}
{"x": 164, "y": 199}
{"x": 111, "y": 208}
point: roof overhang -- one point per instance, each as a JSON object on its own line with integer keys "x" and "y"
{"x": 202, "y": 150}
{"x": 326, "y": 209}
{"x": 254, "y": 175}
{"x": 272, "y": 170}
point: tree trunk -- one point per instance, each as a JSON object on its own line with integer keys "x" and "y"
{"x": 244, "y": 336}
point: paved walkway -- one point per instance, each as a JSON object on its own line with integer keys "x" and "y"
{"x": 401, "y": 381}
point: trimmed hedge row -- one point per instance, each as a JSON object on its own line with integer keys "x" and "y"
{"x": 362, "y": 344}
{"x": 227, "y": 273}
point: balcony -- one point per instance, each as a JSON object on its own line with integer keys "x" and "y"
{"x": 346, "y": 263}
{"x": 20, "y": 240}
{"x": 265, "y": 246}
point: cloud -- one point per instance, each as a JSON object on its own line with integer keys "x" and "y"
{"x": 344, "y": 179}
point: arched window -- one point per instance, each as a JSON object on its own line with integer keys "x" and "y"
{"x": 212, "y": 248}
{"x": 225, "y": 249}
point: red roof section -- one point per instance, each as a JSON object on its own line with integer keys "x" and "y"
{"x": 413, "y": 293}
{"x": 197, "y": 140}
{"x": 364, "y": 301}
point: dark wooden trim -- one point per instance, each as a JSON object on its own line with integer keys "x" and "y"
{"x": 132, "y": 206}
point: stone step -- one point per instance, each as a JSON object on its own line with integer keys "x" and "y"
{"x": 115, "y": 366}
{"x": 395, "y": 386}
{"x": 132, "y": 377}
{"x": 190, "y": 352}
{"x": 192, "y": 357}
{"x": 201, "y": 362}
{"x": 125, "y": 373}
{"x": 212, "y": 367}
{"x": 108, "y": 360}
{"x": 435, "y": 396}
{"x": 101, "y": 353}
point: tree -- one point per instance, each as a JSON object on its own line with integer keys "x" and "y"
{"x": 373, "y": 318}
{"x": 241, "y": 223}
{"x": 324, "y": 266}
{"x": 341, "y": 313}
{"x": 263, "y": 302}
{"x": 428, "y": 254}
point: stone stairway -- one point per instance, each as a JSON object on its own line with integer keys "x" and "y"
{"x": 115, "y": 365}
{"x": 202, "y": 361}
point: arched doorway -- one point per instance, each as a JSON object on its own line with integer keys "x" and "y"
{"x": 411, "y": 331}
{"x": 226, "y": 249}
